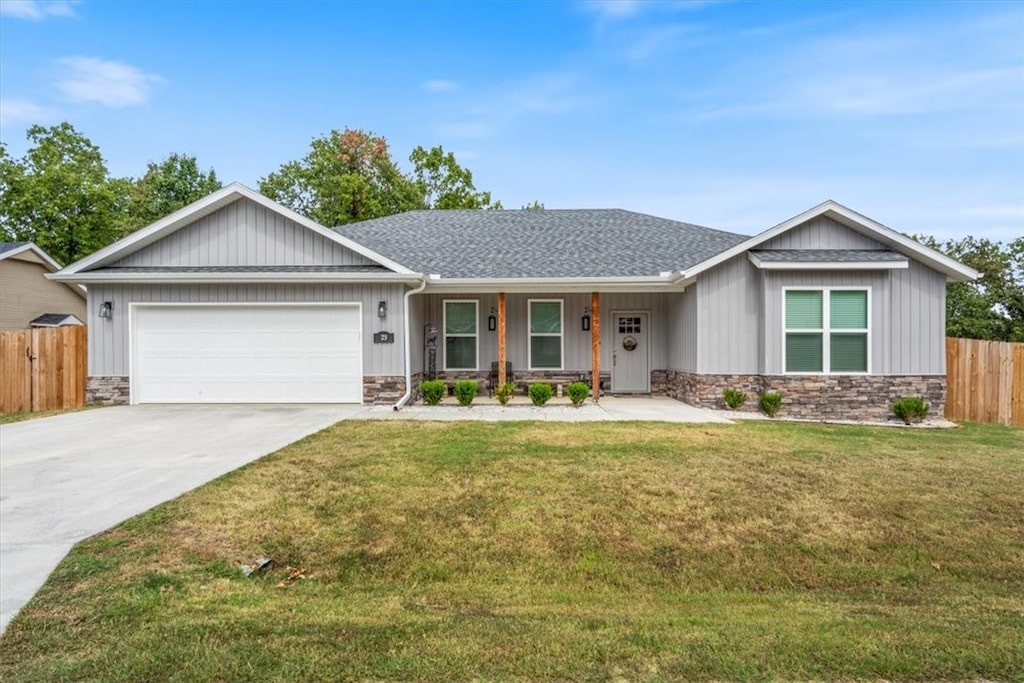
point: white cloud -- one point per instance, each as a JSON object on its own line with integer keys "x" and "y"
{"x": 502, "y": 107}
{"x": 439, "y": 85}
{"x": 24, "y": 111}
{"x": 613, "y": 9}
{"x": 89, "y": 79}
{"x": 37, "y": 10}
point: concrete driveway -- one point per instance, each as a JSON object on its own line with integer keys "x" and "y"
{"x": 67, "y": 477}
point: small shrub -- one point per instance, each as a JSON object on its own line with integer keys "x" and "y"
{"x": 541, "y": 393}
{"x": 433, "y": 391}
{"x": 911, "y": 409}
{"x": 734, "y": 398}
{"x": 578, "y": 392}
{"x": 505, "y": 392}
{"x": 771, "y": 402}
{"x": 465, "y": 391}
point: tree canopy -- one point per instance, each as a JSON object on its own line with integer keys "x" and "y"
{"x": 351, "y": 176}
{"x": 61, "y": 196}
{"x": 993, "y": 306}
{"x": 58, "y": 195}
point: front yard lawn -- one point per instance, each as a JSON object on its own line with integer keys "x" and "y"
{"x": 636, "y": 551}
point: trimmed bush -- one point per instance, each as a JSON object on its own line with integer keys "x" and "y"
{"x": 505, "y": 392}
{"x": 578, "y": 392}
{"x": 734, "y": 398}
{"x": 771, "y": 403}
{"x": 433, "y": 391}
{"x": 911, "y": 409}
{"x": 541, "y": 393}
{"x": 465, "y": 391}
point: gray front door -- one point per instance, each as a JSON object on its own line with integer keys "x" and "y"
{"x": 630, "y": 367}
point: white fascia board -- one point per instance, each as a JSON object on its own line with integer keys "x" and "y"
{"x": 954, "y": 270}
{"x": 826, "y": 265}
{"x": 217, "y": 278}
{"x": 568, "y": 284}
{"x": 216, "y": 200}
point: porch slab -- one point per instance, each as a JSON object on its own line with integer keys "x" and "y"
{"x": 610, "y": 409}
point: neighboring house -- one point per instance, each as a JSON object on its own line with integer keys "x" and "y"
{"x": 235, "y": 298}
{"x": 26, "y": 296}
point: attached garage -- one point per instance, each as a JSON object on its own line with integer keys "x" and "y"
{"x": 246, "y": 353}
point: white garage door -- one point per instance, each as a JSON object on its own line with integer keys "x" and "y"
{"x": 247, "y": 354}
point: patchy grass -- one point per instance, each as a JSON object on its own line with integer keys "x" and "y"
{"x": 535, "y": 550}
{"x": 21, "y": 417}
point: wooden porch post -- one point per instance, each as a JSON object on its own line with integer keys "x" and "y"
{"x": 595, "y": 345}
{"x": 501, "y": 339}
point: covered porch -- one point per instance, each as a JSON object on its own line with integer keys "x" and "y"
{"x": 616, "y": 342}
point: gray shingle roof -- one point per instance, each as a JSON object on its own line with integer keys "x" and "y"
{"x": 244, "y": 269}
{"x": 547, "y": 243}
{"x": 834, "y": 255}
{"x": 49, "y": 319}
{"x": 7, "y": 246}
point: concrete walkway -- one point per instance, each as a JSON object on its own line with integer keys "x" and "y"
{"x": 67, "y": 477}
{"x": 610, "y": 408}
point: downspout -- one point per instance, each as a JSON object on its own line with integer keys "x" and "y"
{"x": 408, "y": 346}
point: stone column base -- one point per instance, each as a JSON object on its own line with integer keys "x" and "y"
{"x": 107, "y": 391}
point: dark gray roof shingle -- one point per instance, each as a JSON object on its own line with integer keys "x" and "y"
{"x": 819, "y": 255}
{"x": 49, "y": 319}
{"x": 8, "y": 246}
{"x": 549, "y": 243}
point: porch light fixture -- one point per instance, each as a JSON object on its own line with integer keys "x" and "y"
{"x": 492, "y": 322}
{"x": 382, "y": 309}
{"x": 107, "y": 309}
{"x": 585, "y": 320}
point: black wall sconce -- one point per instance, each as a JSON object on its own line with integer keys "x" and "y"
{"x": 107, "y": 309}
{"x": 382, "y": 309}
{"x": 492, "y": 322}
{"x": 585, "y": 320}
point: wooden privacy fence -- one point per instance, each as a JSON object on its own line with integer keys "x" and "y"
{"x": 985, "y": 380}
{"x": 42, "y": 369}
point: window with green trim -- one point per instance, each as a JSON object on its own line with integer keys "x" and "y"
{"x": 826, "y": 330}
{"x": 545, "y": 334}
{"x": 460, "y": 335}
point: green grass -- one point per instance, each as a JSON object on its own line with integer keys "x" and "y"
{"x": 530, "y": 551}
{"x": 9, "y": 418}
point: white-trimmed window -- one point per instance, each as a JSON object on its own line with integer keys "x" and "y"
{"x": 461, "y": 342}
{"x": 827, "y": 330}
{"x": 545, "y": 322}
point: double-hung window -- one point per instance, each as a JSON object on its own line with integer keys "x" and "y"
{"x": 460, "y": 335}
{"x": 545, "y": 334}
{"x": 826, "y": 330}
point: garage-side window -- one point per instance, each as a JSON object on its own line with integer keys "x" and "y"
{"x": 460, "y": 335}
{"x": 546, "y": 334}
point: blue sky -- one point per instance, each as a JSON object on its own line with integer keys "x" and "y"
{"x": 736, "y": 115}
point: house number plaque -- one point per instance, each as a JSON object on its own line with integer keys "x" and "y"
{"x": 383, "y": 337}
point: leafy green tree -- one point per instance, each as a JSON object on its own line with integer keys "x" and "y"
{"x": 445, "y": 184}
{"x": 166, "y": 187}
{"x": 58, "y": 195}
{"x": 347, "y": 176}
{"x": 533, "y": 206}
{"x": 993, "y": 306}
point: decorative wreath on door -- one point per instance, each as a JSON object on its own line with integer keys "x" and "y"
{"x": 629, "y": 343}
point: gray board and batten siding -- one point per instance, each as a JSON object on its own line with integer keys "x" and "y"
{"x": 738, "y": 309}
{"x": 109, "y": 337}
{"x": 243, "y": 233}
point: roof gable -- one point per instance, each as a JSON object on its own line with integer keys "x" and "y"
{"x": 28, "y": 251}
{"x": 549, "y": 243}
{"x": 123, "y": 249}
{"x": 878, "y": 234}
